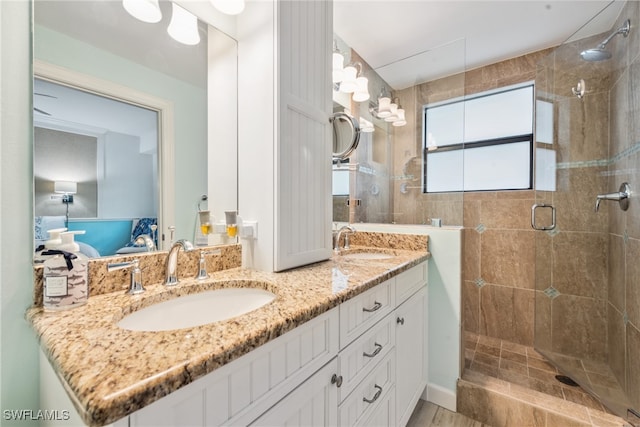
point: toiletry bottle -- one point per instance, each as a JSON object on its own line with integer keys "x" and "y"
{"x": 66, "y": 279}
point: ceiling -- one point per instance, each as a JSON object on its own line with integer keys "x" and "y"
{"x": 410, "y": 42}
{"x": 406, "y": 42}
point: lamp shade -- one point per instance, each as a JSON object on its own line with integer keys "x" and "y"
{"x": 183, "y": 26}
{"x": 401, "y": 121}
{"x": 362, "y": 92}
{"x": 65, "y": 187}
{"x": 144, "y": 10}
{"x": 393, "y": 113}
{"x": 229, "y": 7}
{"x": 349, "y": 84}
{"x": 384, "y": 106}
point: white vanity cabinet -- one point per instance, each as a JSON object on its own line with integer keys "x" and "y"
{"x": 360, "y": 364}
{"x": 240, "y": 392}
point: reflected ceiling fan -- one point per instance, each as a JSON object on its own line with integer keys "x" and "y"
{"x": 38, "y": 110}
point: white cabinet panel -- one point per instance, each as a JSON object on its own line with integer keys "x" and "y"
{"x": 360, "y": 313}
{"x": 366, "y": 397}
{"x": 359, "y": 357}
{"x": 410, "y": 346}
{"x": 314, "y": 403}
{"x": 239, "y": 392}
{"x": 410, "y": 281}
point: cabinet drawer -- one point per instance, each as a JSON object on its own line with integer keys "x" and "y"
{"x": 357, "y": 360}
{"x": 360, "y": 313}
{"x": 385, "y": 413}
{"x": 408, "y": 282}
{"x": 367, "y": 396}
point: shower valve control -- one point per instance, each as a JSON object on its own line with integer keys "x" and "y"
{"x": 621, "y": 196}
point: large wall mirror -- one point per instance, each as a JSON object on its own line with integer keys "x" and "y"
{"x": 121, "y": 121}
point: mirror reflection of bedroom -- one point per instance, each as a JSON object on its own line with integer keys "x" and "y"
{"x": 95, "y": 168}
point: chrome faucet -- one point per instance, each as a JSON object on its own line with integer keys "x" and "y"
{"x": 347, "y": 229}
{"x": 147, "y": 241}
{"x": 171, "y": 264}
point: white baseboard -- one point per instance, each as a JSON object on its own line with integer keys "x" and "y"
{"x": 441, "y": 397}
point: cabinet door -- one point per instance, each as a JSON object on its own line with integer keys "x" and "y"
{"x": 314, "y": 403}
{"x": 411, "y": 350}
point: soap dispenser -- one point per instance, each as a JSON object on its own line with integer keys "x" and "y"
{"x": 66, "y": 278}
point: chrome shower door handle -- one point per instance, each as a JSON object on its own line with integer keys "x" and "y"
{"x": 534, "y": 225}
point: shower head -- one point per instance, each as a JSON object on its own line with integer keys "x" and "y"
{"x": 599, "y": 53}
{"x": 595, "y": 54}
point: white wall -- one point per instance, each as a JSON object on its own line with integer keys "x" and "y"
{"x": 18, "y": 348}
{"x": 256, "y": 138}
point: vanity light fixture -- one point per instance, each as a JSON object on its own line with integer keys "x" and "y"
{"x": 229, "y": 7}
{"x": 143, "y": 10}
{"x": 183, "y": 26}
{"x": 387, "y": 110}
{"x": 354, "y": 82}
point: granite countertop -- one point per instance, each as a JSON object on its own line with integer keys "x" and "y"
{"x": 110, "y": 372}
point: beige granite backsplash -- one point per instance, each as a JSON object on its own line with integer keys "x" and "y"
{"x": 152, "y": 266}
{"x": 410, "y": 242}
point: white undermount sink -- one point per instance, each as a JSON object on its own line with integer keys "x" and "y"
{"x": 367, "y": 255}
{"x": 196, "y": 309}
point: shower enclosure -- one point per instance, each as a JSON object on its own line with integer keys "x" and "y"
{"x": 587, "y": 308}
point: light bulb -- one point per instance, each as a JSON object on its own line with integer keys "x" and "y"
{"x": 229, "y": 7}
{"x": 144, "y": 10}
{"x": 183, "y": 26}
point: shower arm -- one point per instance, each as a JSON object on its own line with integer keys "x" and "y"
{"x": 624, "y": 30}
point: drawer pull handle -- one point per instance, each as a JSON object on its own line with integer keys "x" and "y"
{"x": 375, "y": 352}
{"x": 400, "y": 320}
{"x": 375, "y": 307}
{"x": 375, "y": 396}
{"x": 337, "y": 380}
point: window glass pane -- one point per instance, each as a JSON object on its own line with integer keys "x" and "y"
{"x": 544, "y": 122}
{"x": 545, "y": 169}
{"x": 499, "y": 115}
{"x": 445, "y": 125}
{"x": 340, "y": 182}
{"x": 498, "y": 167}
{"x": 444, "y": 171}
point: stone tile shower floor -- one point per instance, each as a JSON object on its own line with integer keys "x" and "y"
{"x": 525, "y": 367}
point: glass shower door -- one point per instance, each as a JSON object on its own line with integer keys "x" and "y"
{"x": 582, "y": 262}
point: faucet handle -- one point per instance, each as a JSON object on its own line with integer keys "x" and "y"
{"x": 202, "y": 265}
{"x": 135, "y": 285}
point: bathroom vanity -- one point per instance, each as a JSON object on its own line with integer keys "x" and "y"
{"x": 343, "y": 342}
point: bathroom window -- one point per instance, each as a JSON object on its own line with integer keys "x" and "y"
{"x": 478, "y": 143}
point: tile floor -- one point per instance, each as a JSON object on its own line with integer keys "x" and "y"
{"x": 521, "y": 365}
{"x": 428, "y": 414}
{"x": 529, "y": 373}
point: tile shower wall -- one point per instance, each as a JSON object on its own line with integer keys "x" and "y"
{"x": 499, "y": 245}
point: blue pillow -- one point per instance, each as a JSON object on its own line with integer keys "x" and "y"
{"x": 142, "y": 227}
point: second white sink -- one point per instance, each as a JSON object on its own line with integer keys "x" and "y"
{"x": 197, "y": 309}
